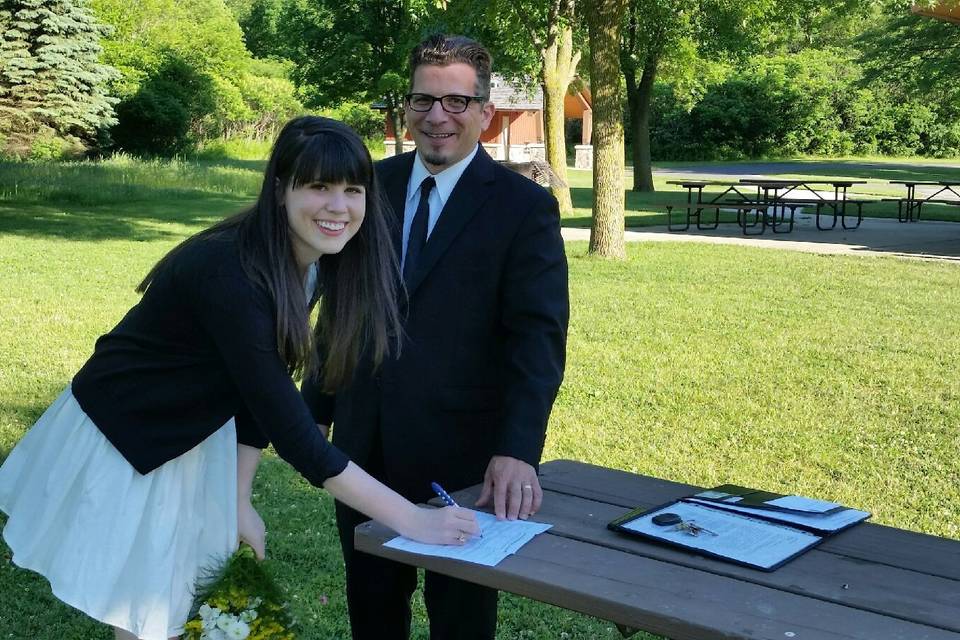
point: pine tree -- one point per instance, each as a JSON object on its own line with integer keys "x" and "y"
{"x": 50, "y": 74}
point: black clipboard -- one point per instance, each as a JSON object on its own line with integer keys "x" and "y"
{"x": 768, "y": 524}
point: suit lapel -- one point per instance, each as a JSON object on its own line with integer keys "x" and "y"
{"x": 395, "y": 188}
{"x": 472, "y": 190}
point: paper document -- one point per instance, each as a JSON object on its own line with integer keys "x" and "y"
{"x": 501, "y": 538}
{"x": 799, "y": 503}
{"x": 748, "y": 540}
{"x": 825, "y": 522}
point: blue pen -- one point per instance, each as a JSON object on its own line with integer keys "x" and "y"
{"x": 447, "y": 500}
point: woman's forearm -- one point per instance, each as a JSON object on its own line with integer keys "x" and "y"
{"x": 248, "y": 458}
{"x": 361, "y": 491}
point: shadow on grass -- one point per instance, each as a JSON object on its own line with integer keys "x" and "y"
{"x": 234, "y": 163}
{"x": 920, "y": 170}
{"x": 140, "y": 221}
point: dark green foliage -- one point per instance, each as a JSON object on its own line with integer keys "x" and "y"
{"x": 261, "y": 29}
{"x": 919, "y": 55}
{"x": 187, "y": 77}
{"x": 156, "y": 120}
{"x": 812, "y": 102}
{"x": 52, "y": 84}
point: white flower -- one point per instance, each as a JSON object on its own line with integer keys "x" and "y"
{"x": 253, "y": 603}
{"x": 232, "y": 627}
{"x": 206, "y": 611}
{"x": 248, "y": 616}
{"x": 239, "y": 631}
{"x": 208, "y": 616}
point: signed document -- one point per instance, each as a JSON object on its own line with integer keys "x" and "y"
{"x": 501, "y": 538}
{"x": 751, "y": 541}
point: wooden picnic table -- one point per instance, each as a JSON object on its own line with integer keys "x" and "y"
{"x": 908, "y": 209}
{"x": 870, "y": 582}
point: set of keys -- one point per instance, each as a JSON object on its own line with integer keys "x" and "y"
{"x": 679, "y": 524}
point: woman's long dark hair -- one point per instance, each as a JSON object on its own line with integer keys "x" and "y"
{"x": 356, "y": 288}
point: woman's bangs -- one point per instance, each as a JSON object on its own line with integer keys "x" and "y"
{"x": 331, "y": 159}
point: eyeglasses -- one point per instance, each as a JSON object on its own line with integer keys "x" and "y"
{"x": 451, "y": 103}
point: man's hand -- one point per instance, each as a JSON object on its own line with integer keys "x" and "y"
{"x": 514, "y": 487}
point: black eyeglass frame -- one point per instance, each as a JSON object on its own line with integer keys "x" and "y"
{"x": 434, "y": 99}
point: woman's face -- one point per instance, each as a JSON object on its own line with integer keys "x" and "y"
{"x": 323, "y": 217}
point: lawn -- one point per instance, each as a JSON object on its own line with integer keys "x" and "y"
{"x": 831, "y": 376}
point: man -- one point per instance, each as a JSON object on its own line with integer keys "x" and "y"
{"x": 486, "y": 308}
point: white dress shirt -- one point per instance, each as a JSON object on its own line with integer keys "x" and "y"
{"x": 446, "y": 180}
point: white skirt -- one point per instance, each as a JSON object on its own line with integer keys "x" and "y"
{"x": 124, "y": 548}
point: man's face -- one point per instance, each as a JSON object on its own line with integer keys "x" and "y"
{"x": 442, "y": 138}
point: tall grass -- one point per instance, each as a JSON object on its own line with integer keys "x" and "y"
{"x": 123, "y": 179}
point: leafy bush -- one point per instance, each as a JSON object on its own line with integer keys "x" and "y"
{"x": 367, "y": 122}
{"x": 157, "y": 119}
{"x": 811, "y": 102}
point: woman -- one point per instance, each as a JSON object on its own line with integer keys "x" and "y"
{"x": 127, "y": 486}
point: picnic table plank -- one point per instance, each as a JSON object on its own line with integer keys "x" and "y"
{"x": 896, "y": 547}
{"x": 606, "y": 587}
{"x": 818, "y": 573}
{"x": 863, "y": 587}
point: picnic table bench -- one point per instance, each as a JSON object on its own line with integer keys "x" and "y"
{"x": 870, "y": 582}
{"x": 908, "y": 208}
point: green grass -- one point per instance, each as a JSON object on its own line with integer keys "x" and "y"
{"x": 830, "y": 376}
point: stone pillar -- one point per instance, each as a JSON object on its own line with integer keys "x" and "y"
{"x": 537, "y": 151}
{"x": 584, "y": 158}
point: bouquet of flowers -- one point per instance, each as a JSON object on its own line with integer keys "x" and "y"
{"x": 239, "y": 602}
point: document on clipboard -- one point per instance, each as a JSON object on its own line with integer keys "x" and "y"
{"x": 730, "y": 526}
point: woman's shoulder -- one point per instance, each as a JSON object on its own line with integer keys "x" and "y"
{"x": 213, "y": 255}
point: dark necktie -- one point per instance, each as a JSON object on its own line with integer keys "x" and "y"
{"x": 418, "y": 230}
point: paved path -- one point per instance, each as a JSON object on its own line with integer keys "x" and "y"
{"x": 876, "y": 236}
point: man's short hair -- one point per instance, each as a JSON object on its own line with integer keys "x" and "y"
{"x": 441, "y": 50}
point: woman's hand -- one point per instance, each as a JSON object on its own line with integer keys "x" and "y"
{"x": 449, "y": 525}
{"x": 251, "y": 528}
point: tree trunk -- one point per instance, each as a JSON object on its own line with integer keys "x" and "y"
{"x": 399, "y": 130}
{"x": 607, "y": 233}
{"x": 559, "y": 67}
{"x": 640, "y": 122}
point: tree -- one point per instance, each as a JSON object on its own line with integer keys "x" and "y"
{"x": 679, "y": 31}
{"x": 918, "y": 56}
{"x": 50, "y": 73}
{"x": 606, "y": 232}
{"x": 354, "y": 50}
{"x": 532, "y": 38}
{"x": 184, "y": 67}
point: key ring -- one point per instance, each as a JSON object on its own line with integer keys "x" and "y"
{"x": 679, "y": 524}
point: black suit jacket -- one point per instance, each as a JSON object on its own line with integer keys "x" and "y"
{"x": 486, "y": 314}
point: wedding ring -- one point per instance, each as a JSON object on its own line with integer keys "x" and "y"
{"x": 527, "y": 487}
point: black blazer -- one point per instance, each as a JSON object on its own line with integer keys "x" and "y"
{"x": 485, "y": 334}
{"x": 199, "y": 348}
